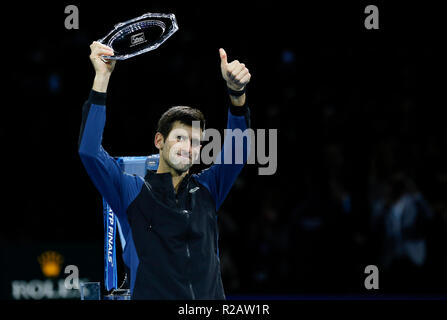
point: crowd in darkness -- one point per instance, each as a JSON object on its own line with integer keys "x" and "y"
{"x": 361, "y": 181}
{"x": 362, "y": 157}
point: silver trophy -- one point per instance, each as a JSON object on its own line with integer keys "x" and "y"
{"x": 142, "y": 34}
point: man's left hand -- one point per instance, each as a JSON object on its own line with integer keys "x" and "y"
{"x": 236, "y": 74}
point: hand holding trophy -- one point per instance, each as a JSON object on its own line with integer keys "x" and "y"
{"x": 129, "y": 39}
{"x": 101, "y": 65}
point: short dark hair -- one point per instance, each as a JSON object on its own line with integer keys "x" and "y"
{"x": 183, "y": 114}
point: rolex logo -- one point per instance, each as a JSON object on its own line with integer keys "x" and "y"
{"x": 50, "y": 263}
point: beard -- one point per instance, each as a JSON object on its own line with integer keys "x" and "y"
{"x": 179, "y": 164}
{"x": 180, "y": 169}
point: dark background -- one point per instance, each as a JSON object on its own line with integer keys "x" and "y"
{"x": 353, "y": 107}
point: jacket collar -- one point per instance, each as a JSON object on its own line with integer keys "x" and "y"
{"x": 163, "y": 181}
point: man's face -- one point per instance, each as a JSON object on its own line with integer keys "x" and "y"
{"x": 181, "y": 147}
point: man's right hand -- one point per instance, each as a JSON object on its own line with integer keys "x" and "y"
{"x": 103, "y": 68}
{"x": 97, "y": 50}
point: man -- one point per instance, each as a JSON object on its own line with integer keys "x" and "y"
{"x": 168, "y": 219}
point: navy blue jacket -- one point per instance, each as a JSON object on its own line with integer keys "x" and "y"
{"x": 171, "y": 239}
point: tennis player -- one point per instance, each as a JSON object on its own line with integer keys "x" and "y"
{"x": 169, "y": 217}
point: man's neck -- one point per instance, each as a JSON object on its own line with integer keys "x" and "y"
{"x": 176, "y": 177}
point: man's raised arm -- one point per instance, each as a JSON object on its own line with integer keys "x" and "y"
{"x": 115, "y": 186}
{"x": 103, "y": 68}
{"x": 220, "y": 177}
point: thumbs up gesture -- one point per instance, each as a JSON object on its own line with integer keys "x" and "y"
{"x": 234, "y": 73}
